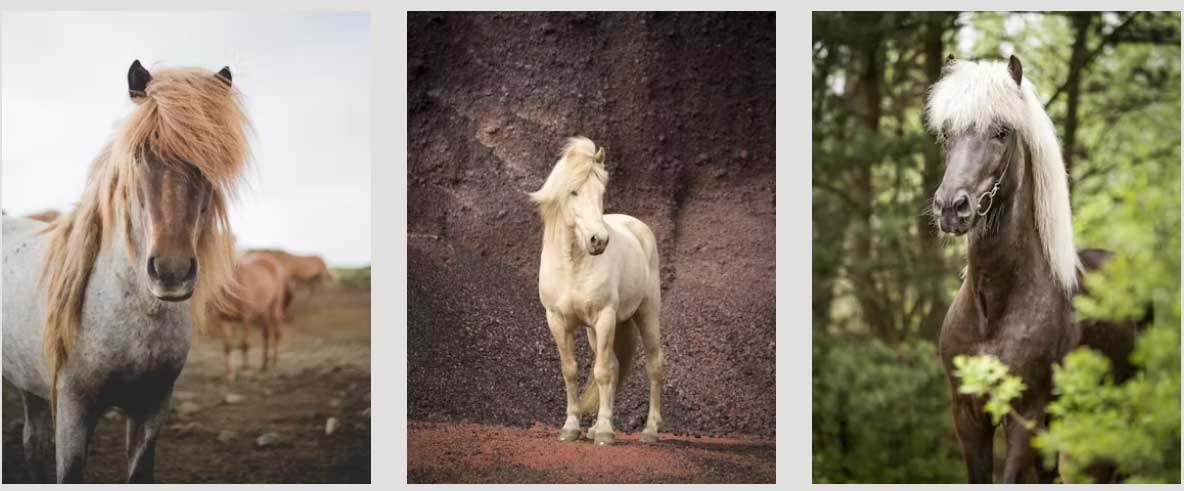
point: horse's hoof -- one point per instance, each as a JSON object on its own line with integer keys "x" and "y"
{"x": 604, "y": 438}
{"x": 649, "y": 437}
{"x": 567, "y": 435}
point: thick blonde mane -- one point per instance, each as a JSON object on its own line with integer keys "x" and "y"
{"x": 186, "y": 115}
{"x": 577, "y": 163}
{"x": 977, "y": 96}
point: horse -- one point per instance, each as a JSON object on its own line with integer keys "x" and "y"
{"x": 600, "y": 272}
{"x": 257, "y": 297}
{"x": 1005, "y": 186}
{"x": 310, "y": 271}
{"x": 99, "y": 306}
{"x": 46, "y": 216}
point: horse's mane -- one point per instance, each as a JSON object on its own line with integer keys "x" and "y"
{"x": 577, "y": 163}
{"x": 977, "y": 96}
{"x": 186, "y": 115}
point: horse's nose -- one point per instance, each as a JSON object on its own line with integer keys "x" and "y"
{"x": 172, "y": 270}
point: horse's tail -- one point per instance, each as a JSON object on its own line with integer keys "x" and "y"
{"x": 624, "y": 345}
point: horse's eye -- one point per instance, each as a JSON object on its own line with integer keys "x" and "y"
{"x": 1002, "y": 133}
{"x": 573, "y": 193}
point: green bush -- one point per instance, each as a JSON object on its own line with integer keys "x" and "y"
{"x": 881, "y": 414}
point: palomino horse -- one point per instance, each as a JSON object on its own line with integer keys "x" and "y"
{"x": 95, "y": 312}
{"x": 1005, "y": 184}
{"x": 600, "y": 272}
{"x": 46, "y": 216}
{"x": 256, "y": 298}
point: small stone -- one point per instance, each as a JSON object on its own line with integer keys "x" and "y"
{"x": 232, "y": 398}
{"x": 331, "y": 425}
{"x": 184, "y": 395}
{"x": 225, "y": 436}
{"x": 112, "y": 415}
{"x": 365, "y": 412}
{"x": 268, "y": 439}
{"x": 187, "y": 408}
{"x": 334, "y": 402}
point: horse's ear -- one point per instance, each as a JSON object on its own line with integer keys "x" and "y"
{"x": 950, "y": 59}
{"x": 137, "y": 80}
{"x": 224, "y": 76}
{"x": 599, "y": 157}
{"x": 1016, "y": 68}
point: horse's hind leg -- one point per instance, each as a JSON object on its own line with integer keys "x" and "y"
{"x": 228, "y": 349}
{"x": 266, "y": 330}
{"x": 143, "y": 426}
{"x": 38, "y": 438}
{"x": 565, "y": 341}
{"x": 646, "y": 320}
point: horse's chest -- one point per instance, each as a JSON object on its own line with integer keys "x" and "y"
{"x": 575, "y": 300}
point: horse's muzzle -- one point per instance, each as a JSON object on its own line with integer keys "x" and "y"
{"x": 954, "y": 216}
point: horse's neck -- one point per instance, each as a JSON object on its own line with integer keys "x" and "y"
{"x": 1005, "y": 254}
{"x": 559, "y": 245}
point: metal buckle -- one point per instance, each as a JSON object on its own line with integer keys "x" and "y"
{"x": 989, "y": 194}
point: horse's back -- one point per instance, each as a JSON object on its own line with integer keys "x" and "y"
{"x": 639, "y": 230}
{"x": 261, "y": 282}
{"x": 24, "y": 252}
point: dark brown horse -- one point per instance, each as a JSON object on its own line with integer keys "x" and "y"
{"x": 1005, "y": 186}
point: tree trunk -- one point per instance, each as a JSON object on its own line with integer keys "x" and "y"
{"x": 1082, "y": 22}
{"x": 932, "y": 275}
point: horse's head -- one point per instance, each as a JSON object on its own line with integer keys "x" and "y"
{"x": 173, "y": 200}
{"x": 585, "y": 210}
{"x": 574, "y": 193}
{"x": 977, "y": 156}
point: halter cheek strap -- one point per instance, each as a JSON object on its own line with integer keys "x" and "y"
{"x": 990, "y": 195}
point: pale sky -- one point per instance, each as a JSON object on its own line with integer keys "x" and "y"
{"x": 305, "y": 77}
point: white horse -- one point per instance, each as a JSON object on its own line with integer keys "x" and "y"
{"x": 600, "y": 272}
{"x": 95, "y": 312}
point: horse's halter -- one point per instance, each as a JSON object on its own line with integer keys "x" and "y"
{"x": 990, "y": 195}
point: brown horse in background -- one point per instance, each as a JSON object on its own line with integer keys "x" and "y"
{"x": 47, "y": 216}
{"x": 257, "y": 298}
{"x": 310, "y": 271}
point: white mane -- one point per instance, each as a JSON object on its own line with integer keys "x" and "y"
{"x": 974, "y": 96}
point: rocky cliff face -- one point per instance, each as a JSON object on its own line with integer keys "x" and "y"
{"x": 684, "y": 105}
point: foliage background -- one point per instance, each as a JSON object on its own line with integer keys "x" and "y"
{"x": 882, "y": 277}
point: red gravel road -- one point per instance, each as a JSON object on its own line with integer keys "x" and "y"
{"x": 472, "y": 453}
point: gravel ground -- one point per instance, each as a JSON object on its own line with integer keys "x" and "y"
{"x": 473, "y": 453}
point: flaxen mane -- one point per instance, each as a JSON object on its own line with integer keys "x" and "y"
{"x": 577, "y": 164}
{"x": 186, "y": 115}
{"x": 979, "y": 96}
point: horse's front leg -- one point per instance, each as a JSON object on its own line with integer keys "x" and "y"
{"x": 564, "y": 340}
{"x": 74, "y": 424}
{"x": 1020, "y": 454}
{"x": 975, "y": 433}
{"x": 143, "y": 426}
{"x": 38, "y": 438}
{"x": 604, "y": 369}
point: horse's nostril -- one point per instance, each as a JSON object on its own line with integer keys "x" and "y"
{"x": 962, "y": 205}
{"x": 192, "y": 269}
{"x": 152, "y": 268}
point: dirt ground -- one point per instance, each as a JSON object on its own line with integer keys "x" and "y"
{"x": 213, "y": 433}
{"x": 471, "y": 453}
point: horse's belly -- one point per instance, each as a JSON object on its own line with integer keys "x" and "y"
{"x": 23, "y": 306}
